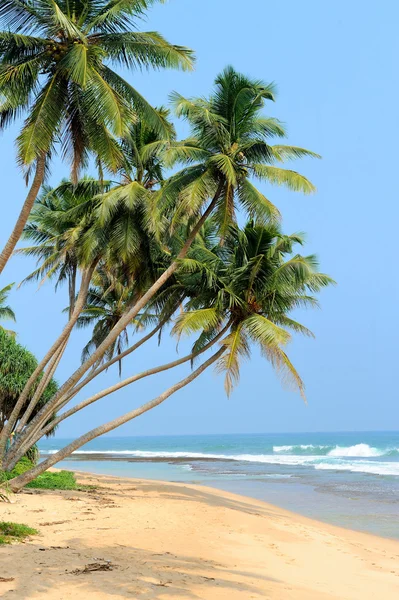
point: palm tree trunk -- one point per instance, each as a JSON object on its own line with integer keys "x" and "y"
{"x": 36, "y": 373}
{"x": 52, "y": 367}
{"x": 37, "y": 434}
{"x": 111, "y": 362}
{"x": 25, "y": 212}
{"x": 132, "y": 313}
{"x": 72, "y": 290}
{"x": 30, "y": 436}
{"x": 19, "y": 482}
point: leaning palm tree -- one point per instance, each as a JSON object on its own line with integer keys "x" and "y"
{"x": 6, "y": 312}
{"x": 106, "y": 302}
{"x": 51, "y": 230}
{"x": 250, "y": 284}
{"x": 230, "y": 146}
{"x": 55, "y": 66}
{"x": 76, "y": 226}
{"x": 240, "y": 294}
{"x": 220, "y": 178}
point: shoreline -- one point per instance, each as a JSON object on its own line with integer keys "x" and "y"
{"x": 173, "y": 540}
{"x": 306, "y": 495}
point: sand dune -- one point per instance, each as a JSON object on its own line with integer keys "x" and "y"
{"x": 151, "y": 540}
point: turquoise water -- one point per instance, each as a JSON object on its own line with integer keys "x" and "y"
{"x": 348, "y": 479}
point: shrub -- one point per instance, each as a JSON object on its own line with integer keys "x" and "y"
{"x": 63, "y": 480}
{"x": 14, "y": 532}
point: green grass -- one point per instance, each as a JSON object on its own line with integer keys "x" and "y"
{"x": 63, "y": 480}
{"x": 14, "y": 532}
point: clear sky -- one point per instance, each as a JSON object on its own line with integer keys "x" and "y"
{"x": 335, "y": 64}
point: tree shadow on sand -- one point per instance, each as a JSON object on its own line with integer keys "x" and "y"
{"x": 129, "y": 571}
{"x": 148, "y": 575}
{"x": 180, "y": 491}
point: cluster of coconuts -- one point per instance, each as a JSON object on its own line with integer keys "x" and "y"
{"x": 57, "y": 50}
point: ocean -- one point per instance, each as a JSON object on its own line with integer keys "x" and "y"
{"x": 347, "y": 479}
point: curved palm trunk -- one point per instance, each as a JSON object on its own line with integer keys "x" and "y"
{"x": 113, "y": 360}
{"x": 25, "y": 212}
{"x": 52, "y": 367}
{"x": 36, "y": 373}
{"x": 19, "y": 482}
{"x": 72, "y": 290}
{"x": 31, "y": 434}
{"x": 130, "y": 315}
{"x": 38, "y": 433}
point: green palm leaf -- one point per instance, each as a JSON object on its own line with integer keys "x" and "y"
{"x": 145, "y": 50}
{"x": 265, "y": 332}
{"x": 38, "y": 133}
{"x": 196, "y": 320}
{"x": 256, "y": 204}
{"x": 237, "y": 348}
{"x": 283, "y": 153}
{"x": 291, "y": 179}
{"x": 285, "y": 369}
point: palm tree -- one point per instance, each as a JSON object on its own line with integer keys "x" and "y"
{"x": 229, "y": 147}
{"x": 54, "y": 226}
{"x": 106, "y": 302}
{"x": 62, "y": 216}
{"x": 55, "y": 66}
{"x": 6, "y": 312}
{"x": 200, "y": 189}
{"x": 250, "y": 284}
{"x": 80, "y": 227}
{"x": 245, "y": 288}
{"x": 230, "y": 119}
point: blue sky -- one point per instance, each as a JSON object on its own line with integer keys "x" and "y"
{"x": 337, "y": 83}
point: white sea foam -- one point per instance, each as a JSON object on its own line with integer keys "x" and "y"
{"x": 257, "y": 458}
{"x": 374, "y": 468}
{"x": 285, "y": 449}
{"x": 360, "y": 450}
{"x": 337, "y": 459}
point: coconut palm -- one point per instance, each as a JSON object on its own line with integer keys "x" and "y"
{"x": 55, "y": 66}
{"x": 106, "y": 302}
{"x": 107, "y": 228}
{"x": 6, "y": 312}
{"x": 246, "y": 289}
{"x": 229, "y": 146}
{"x": 54, "y": 226}
{"x": 231, "y": 118}
{"x": 208, "y": 185}
{"x": 252, "y": 285}
{"x": 62, "y": 217}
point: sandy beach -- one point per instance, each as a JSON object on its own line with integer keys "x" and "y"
{"x": 144, "y": 539}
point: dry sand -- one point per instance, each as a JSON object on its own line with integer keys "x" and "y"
{"x": 185, "y": 542}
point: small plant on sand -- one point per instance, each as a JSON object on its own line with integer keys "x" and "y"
{"x": 14, "y": 532}
{"x": 63, "y": 480}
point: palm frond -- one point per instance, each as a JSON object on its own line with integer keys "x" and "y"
{"x": 291, "y": 179}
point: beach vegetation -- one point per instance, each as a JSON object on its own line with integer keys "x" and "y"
{"x": 15, "y": 532}
{"x": 6, "y": 312}
{"x": 57, "y": 68}
{"x": 16, "y": 364}
{"x": 57, "y": 480}
{"x": 155, "y": 239}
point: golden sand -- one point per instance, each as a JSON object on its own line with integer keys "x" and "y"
{"x": 154, "y": 540}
